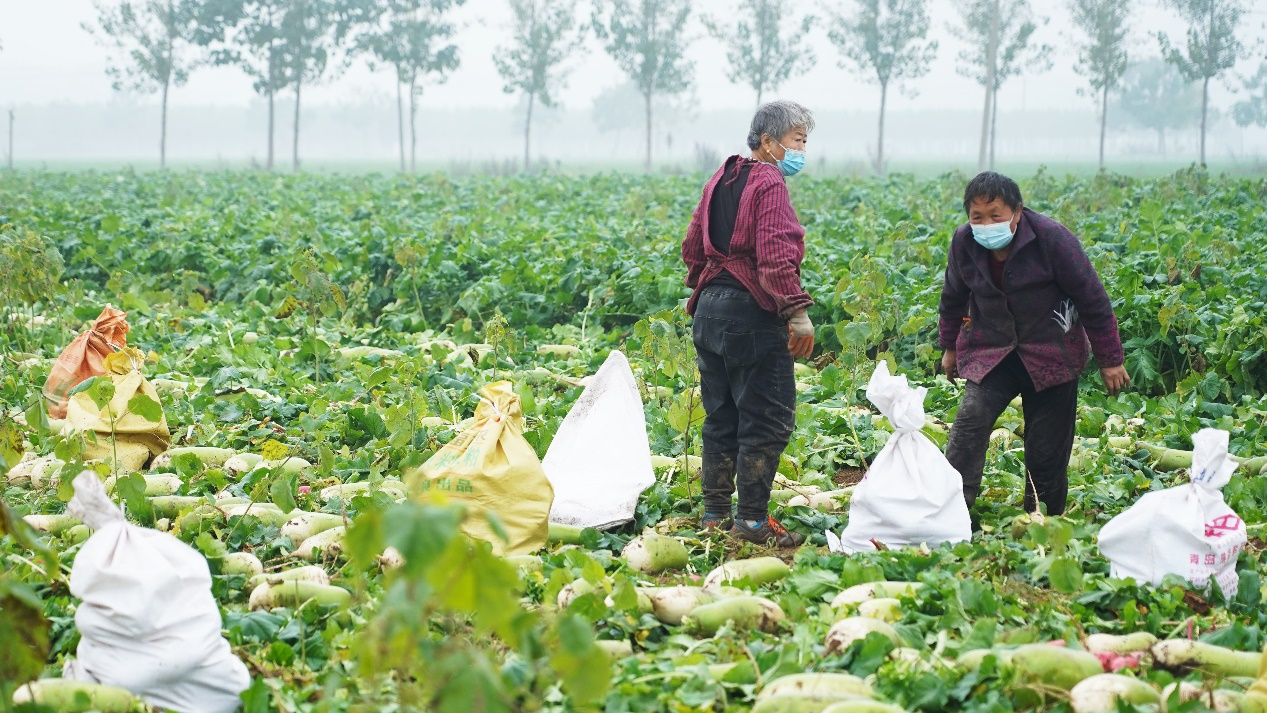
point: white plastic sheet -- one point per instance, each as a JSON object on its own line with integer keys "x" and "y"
{"x": 148, "y": 622}
{"x": 600, "y": 461}
{"x": 911, "y": 495}
{"x": 1186, "y": 530}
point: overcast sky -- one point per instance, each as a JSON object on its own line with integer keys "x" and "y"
{"x": 48, "y": 58}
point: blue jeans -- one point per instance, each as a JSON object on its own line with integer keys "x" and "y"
{"x": 749, "y": 393}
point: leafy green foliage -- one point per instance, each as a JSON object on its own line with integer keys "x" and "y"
{"x": 463, "y": 279}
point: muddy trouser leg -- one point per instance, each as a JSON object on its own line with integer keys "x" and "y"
{"x": 1051, "y": 416}
{"x": 765, "y": 392}
{"x": 982, "y": 405}
{"x": 721, "y": 423}
{"x": 752, "y": 345}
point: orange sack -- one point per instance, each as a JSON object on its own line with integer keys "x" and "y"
{"x": 84, "y": 357}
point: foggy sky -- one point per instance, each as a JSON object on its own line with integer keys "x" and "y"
{"x": 47, "y": 58}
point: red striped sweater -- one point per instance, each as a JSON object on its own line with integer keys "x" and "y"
{"x": 765, "y": 252}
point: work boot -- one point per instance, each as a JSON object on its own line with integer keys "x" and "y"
{"x": 711, "y": 523}
{"x": 764, "y": 532}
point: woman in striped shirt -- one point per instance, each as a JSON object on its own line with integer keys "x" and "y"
{"x": 743, "y": 253}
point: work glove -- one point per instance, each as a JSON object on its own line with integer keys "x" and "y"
{"x": 801, "y": 335}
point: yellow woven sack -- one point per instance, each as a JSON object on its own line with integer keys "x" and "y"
{"x": 136, "y": 438}
{"x": 490, "y": 467}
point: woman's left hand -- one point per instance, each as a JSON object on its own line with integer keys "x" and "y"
{"x": 1115, "y": 379}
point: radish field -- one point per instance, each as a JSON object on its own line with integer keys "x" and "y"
{"x": 340, "y": 328}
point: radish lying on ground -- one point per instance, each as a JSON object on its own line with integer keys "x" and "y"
{"x": 243, "y": 563}
{"x": 1182, "y": 655}
{"x": 309, "y": 524}
{"x": 860, "y": 593}
{"x": 1100, "y": 693}
{"x": 653, "y": 554}
{"x": 65, "y": 696}
{"x": 307, "y": 573}
{"x": 833, "y": 684}
{"x": 758, "y": 571}
{"x": 745, "y": 613}
{"x": 294, "y": 593}
{"x": 324, "y": 544}
{"x": 206, "y": 455}
{"x": 671, "y": 604}
{"x": 846, "y": 631}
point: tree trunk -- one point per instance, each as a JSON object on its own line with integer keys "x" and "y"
{"x": 400, "y": 119}
{"x": 760, "y": 94}
{"x": 532, "y": 97}
{"x": 162, "y": 136}
{"x": 1205, "y": 111}
{"x": 271, "y": 123}
{"x": 1104, "y": 122}
{"x": 991, "y": 59}
{"x": 413, "y": 125}
{"x": 647, "y": 98}
{"x": 994, "y": 122}
{"x": 299, "y": 85}
{"x": 879, "y": 152}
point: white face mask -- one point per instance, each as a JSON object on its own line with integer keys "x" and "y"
{"x": 994, "y": 236}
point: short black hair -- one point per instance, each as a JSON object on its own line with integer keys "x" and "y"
{"x": 989, "y": 185}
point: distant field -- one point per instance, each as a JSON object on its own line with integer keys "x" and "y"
{"x": 1138, "y": 168}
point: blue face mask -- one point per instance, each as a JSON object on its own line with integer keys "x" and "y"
{"x": 995, "y": 236}
{"x": 792, "y": 163}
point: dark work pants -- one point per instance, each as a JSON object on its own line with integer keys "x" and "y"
{"x": 1050, "y": 418}
{"x": 749, "y": 392}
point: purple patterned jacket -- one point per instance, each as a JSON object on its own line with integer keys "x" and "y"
{"x": 1051, "y": 305}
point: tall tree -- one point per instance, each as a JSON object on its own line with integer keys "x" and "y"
{"x": 413, "y": 37}
{"x": 648, "y": 40}
{"x": 1155, "y": 96}
{"x": 309, "y": 41}
{"x": 1102, "y": 55}
{"x": 546, "y": 34}
{"x": 1253, "y": 110}
{"x": 254, "y": 43}
{"x": 760, "y": 53}
{"x": 152, "y": 41}
{"x": 1006, "y": 50}
{"x": 1212, "y": 46}
{"x": 889, "y": 39}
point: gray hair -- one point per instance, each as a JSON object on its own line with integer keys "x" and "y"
{"x": 776, "y": 119}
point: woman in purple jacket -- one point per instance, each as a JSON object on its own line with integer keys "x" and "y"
{"x": 1021, "y": 310}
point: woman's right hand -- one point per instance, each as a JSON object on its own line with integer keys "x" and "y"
{"x": 950, "y": 365}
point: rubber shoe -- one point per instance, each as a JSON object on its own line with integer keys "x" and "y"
{"x": 767, "y": 532}
{"x": 715, "y": 523}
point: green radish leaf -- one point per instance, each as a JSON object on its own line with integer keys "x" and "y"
{"x": 24, "y": 633}
{"x": 1065, "y": 575}
{"x": 145, "y": 407}
{"x": 379, "y": 377}
{"x": 132, "y": 489}
{"x": 37, "y": 418}
{"x": 581, "y": 665}
{"x": 101, "y": 392}
{"x": 282, "y": 491}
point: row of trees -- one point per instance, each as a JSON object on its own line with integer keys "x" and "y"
{"x": 287, "y": 45}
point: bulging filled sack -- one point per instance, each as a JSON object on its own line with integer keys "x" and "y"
{"x": 127, "y": 434}
{"x": 489, "y": 467}
{"x": 84, "y": 358}
{"x": 1186, "y": 530}
{"x": 911, "y": 495}
{"x": 599, "y": 462}
{"x": 147, "y": 622}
